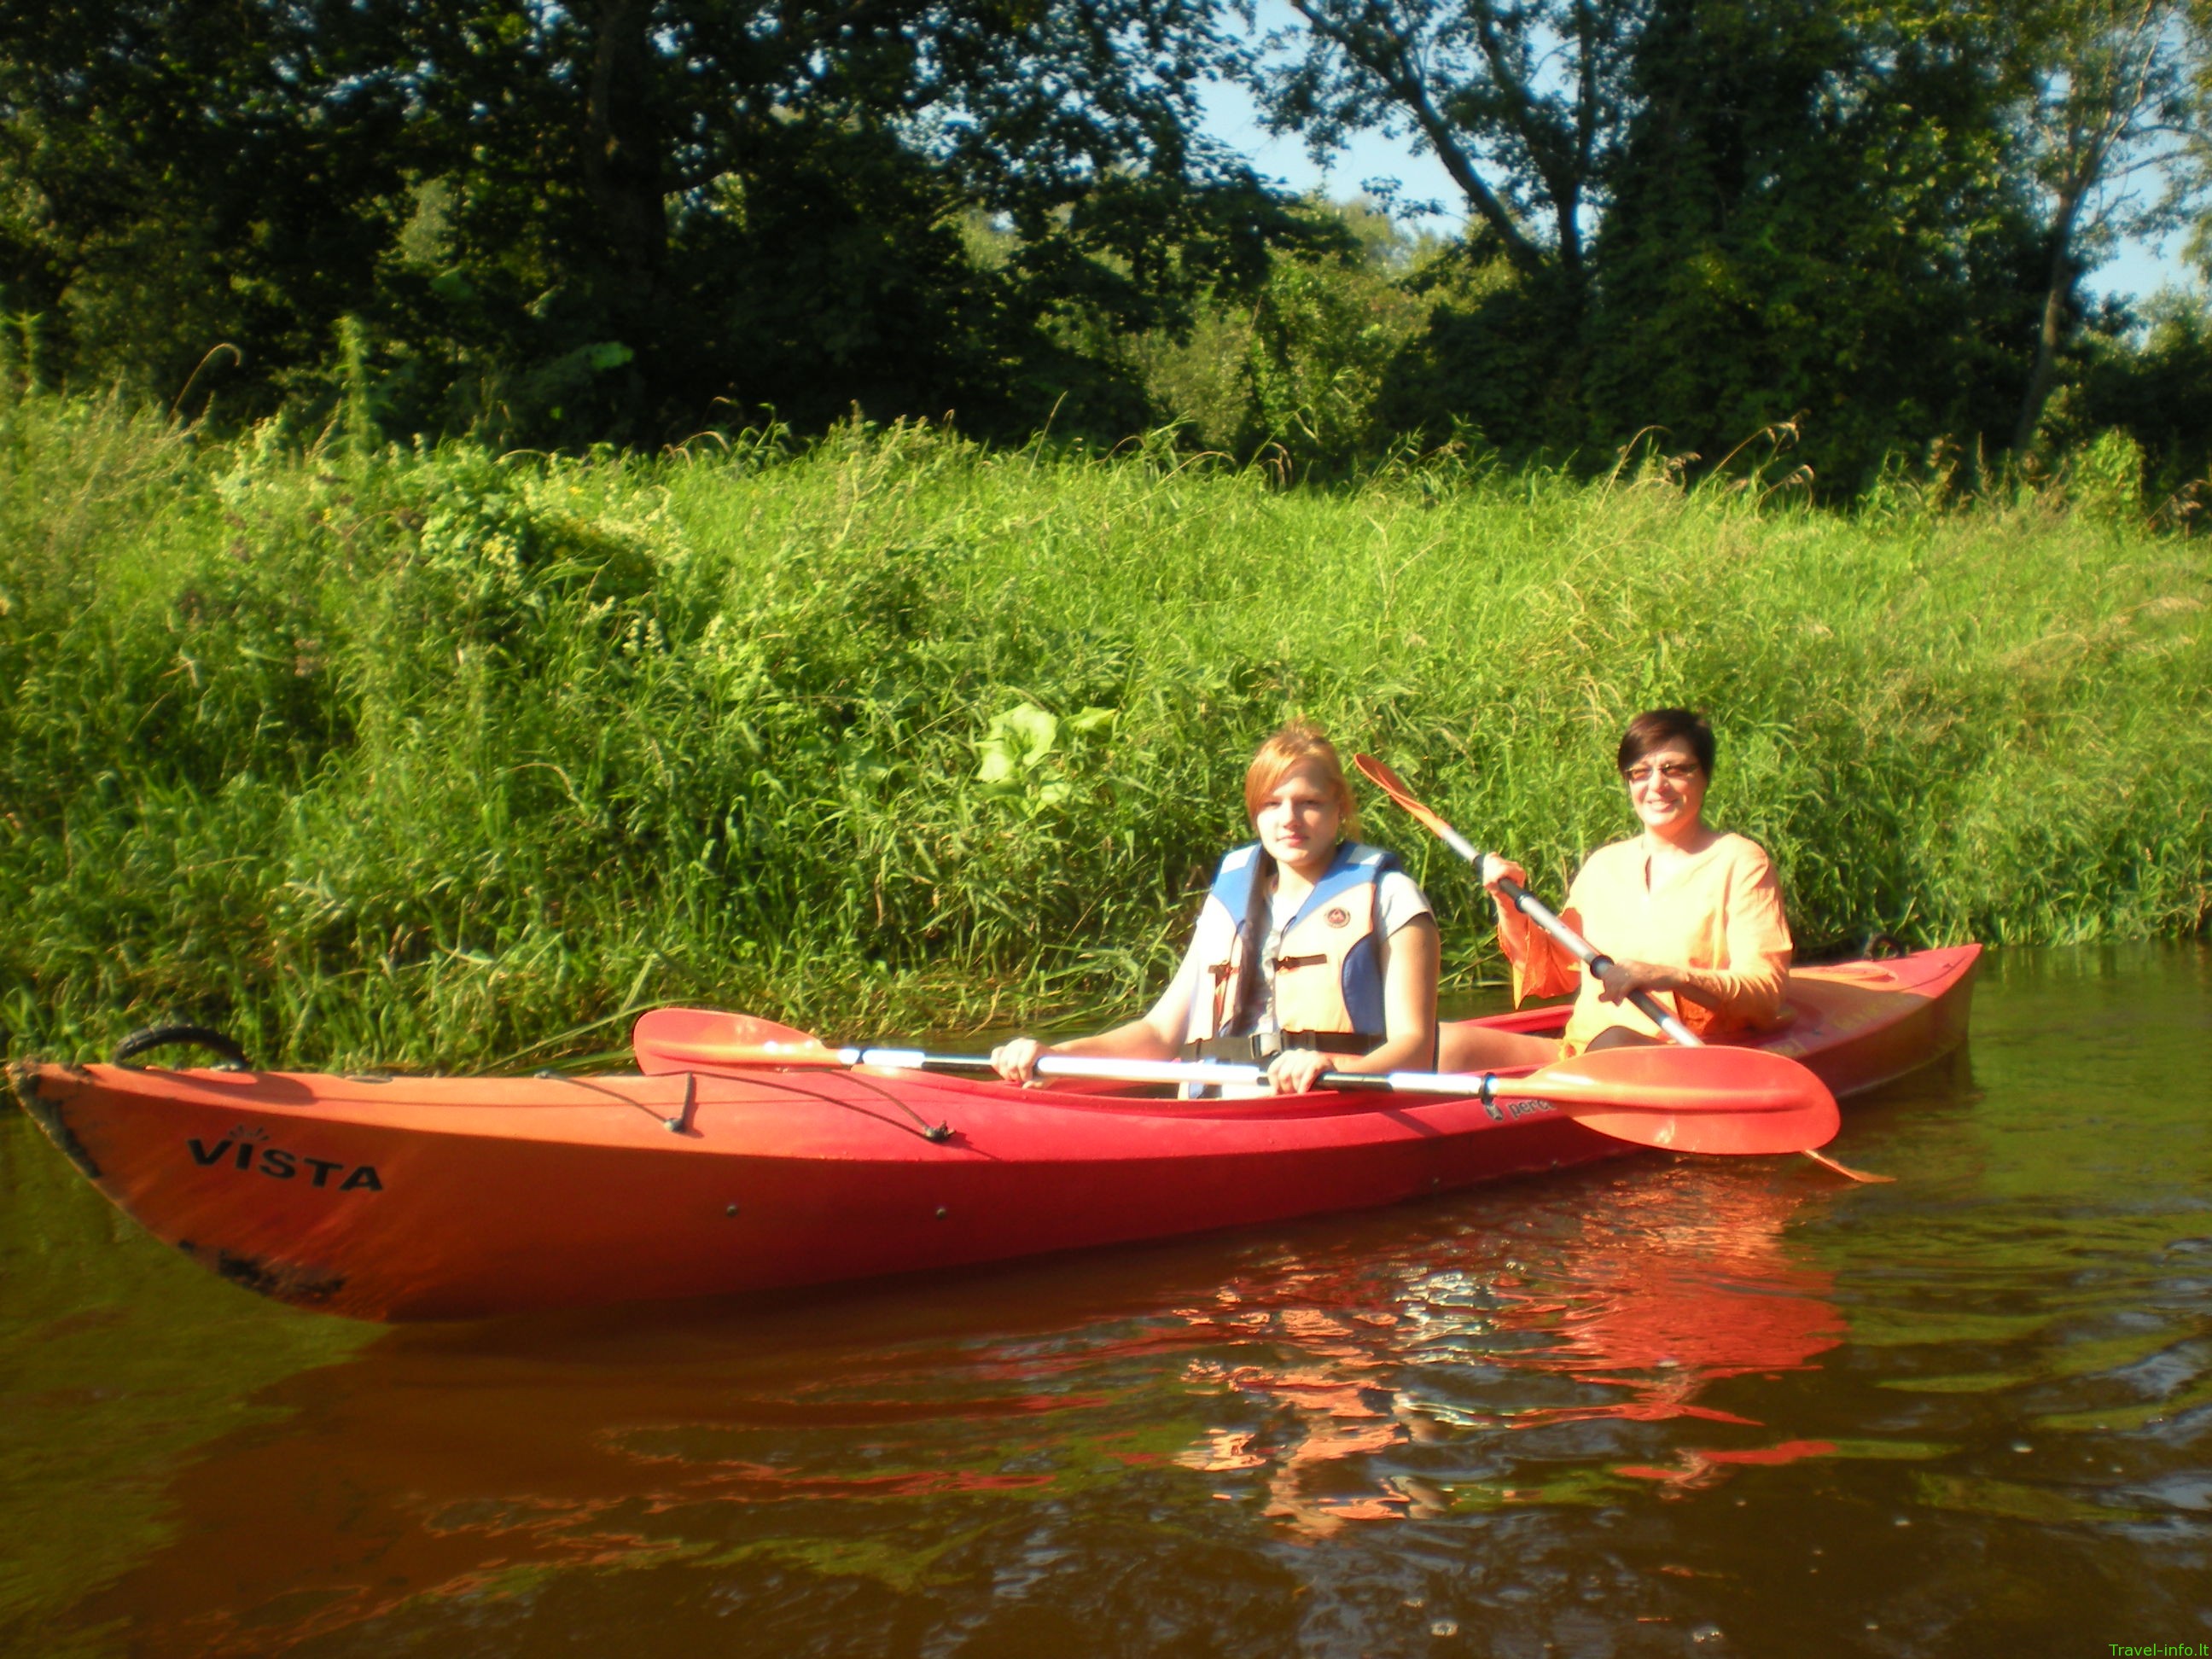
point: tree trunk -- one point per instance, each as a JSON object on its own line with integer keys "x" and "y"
{"x": 2058, "y": 292}
{"x": 622, "y": 164}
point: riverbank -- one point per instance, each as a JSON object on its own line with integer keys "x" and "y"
{"x": 440, "y": 758}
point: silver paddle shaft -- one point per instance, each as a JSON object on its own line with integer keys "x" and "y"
{"x": 1539, "y": 913}
{"x": 1213, "y": 1073}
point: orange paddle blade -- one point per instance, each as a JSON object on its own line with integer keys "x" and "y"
{"x": 1845, "y": 1170}
{"x": 1750, "y": 1134}
{"x": 1716, "y": 1079}
{"x": 682, "y": 1039}
{"x": 1714, "y": 1099}
{"x": 1395, "y": 786}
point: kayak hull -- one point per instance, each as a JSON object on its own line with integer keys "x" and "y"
{"x": 442, "y": 1197}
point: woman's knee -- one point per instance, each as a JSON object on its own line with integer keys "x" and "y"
{"x": 1465, "y": 1046}
{"x": 1619, "y": 1036}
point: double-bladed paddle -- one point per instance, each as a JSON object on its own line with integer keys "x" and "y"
{"x": 1529, "y": 906}
{"x": 1713, "y": 1100}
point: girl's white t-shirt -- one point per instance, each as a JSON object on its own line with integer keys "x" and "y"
{"x": 1397, "y": 901}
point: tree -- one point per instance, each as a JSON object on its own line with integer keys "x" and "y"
{"x": 2104, "y": 104}
{"x": 173, "y": 175}
{"x": 1812, "y": 218}
{"x": 1723, "y": 213}
{"x": 2150, "y": 376}
{"x": 613, "y": 219}
{"x": 1522, "y": 101}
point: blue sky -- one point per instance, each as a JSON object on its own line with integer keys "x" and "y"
{"x": 2138, "y": 269}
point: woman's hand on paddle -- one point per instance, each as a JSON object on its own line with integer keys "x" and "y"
{"x": 1295, "y": 1071}
{"x": 1496, "y": 870}
{"x": 1157, "y": 1036}
{"x": 1623, "y": 979}
{"x": 1016, "y": 1062}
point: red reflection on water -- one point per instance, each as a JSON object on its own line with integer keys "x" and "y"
{"x": 1704, "y": 1468}
{"x": 1660, "y": 1293}
{"x": 1685, "y": 1295}
{"x": 435, "y": 1466}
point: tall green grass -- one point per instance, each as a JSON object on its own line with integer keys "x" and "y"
{"x": 441, "y": 758}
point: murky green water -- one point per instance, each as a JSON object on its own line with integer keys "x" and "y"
{"x": 1660, "y": 1406}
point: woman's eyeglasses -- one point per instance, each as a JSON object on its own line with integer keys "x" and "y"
{"x": 1672, "y": 771}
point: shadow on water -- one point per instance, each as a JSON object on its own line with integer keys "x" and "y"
{"x": 1658, "y": 1406}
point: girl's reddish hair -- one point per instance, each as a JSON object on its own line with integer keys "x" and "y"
{"x": 1300, "y": 746}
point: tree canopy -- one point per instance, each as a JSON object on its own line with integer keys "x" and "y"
{"x": 626, "y": 221}
{"x": 609, "y": 220}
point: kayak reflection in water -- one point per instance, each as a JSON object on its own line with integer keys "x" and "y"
{"x": 1313, "y": 952}
{"x": 1552, "y": 1345}
{"x": 1687, "y": 914}
{"x": 1360, "y": 1409}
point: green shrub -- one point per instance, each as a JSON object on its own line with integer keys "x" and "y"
{"x": 441, "y": 758}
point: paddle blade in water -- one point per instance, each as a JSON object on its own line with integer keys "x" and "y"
{"x": 685, "y": 1039}
{"x": 1714, "y": 1099}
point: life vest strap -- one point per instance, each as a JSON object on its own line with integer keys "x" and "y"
{"x": 1254, "y": 1049}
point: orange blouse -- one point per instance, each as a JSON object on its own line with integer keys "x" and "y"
{"x": 1718, "y": 918}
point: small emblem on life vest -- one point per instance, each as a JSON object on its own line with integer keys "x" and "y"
{"x": 1339, "y": 917}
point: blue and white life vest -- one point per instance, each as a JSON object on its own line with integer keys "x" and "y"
{"x": 1328, "y": 972}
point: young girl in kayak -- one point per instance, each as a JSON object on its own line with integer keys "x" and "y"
{"x": 1312, "y": 953}
{"x": 1687, "y": 914}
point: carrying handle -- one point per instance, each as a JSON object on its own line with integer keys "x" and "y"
{"x": 229, "y": 1055}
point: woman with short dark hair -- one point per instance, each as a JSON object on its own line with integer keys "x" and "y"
{"x": 1687, "y": 913}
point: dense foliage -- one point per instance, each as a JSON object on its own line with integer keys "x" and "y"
{"x": 571, "y": 224}
{"x": 634, "y": 221}
{"x": 436, "y": 758}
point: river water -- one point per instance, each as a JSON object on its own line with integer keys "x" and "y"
{"x": 1659, "y": 1405}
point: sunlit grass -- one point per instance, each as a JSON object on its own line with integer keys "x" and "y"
{"x": 446, "y": 760}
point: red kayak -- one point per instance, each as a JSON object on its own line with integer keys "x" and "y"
{"x": 406, "y": 1198}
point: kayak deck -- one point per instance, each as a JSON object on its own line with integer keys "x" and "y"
{"x": 1856, "y": 1025}
{"x": 414, "y": 1198}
